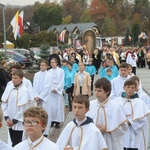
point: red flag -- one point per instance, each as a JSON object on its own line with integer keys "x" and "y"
{"x": 20, "y": 24}
{"x": 62, "y": 36}
{"x": 17, "y": 24}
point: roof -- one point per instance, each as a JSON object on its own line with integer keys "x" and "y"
{"x": 7, "y": 42}
{"x": 70, "y": 27}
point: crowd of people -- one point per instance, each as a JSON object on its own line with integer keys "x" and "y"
{"x": 116, "y": 120}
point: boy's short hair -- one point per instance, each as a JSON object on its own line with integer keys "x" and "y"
{"x": 37, "y": 112}
{"x": 109, "y": 70}
{"x": 82, "y": 99}
{"x": 130, "y": 82}
{"x": 18, "y": 72}
{"x": 16, "y": 66}
{"x": 55, "y": 59}
{"x": 1, "y": 115}
{"x": 64, "y": 61}
{"x": 124, "y": 65}
{"x": 104, "y": 84}
{"x": 129, "y": 65}
{"x": 69, "y": 63}
{"x": 44, "y": 61}
{"x": 135, "y": 78}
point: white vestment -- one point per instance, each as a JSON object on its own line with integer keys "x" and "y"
{"x": 4, "y": 146}
{"x": 41, "y": 87}
{"x": 144, "y": 97}
{"x": 25, "y": 81}
{"x": 117, "y": 86}
{"x": 137, "y": 116}
{"x": 132, "y": 59}
{"x": 15, "y": 100}
{"x": 44, "y": 145}
{"x": 87, "y": 137}
{"x": 56, "y": 99}
{"x": 111, "y": 115}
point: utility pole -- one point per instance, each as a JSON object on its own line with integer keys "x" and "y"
{"x": 4, "y": 26}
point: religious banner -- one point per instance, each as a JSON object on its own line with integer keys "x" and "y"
{"x": 89, "y": 39}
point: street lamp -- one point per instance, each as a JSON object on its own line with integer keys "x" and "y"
{"x": 2, "y": 5}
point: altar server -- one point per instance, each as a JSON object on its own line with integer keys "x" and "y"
{"x": 15, "y": 100}
{"x": 134, "y": 138}
{"x": 118, "y": 82}
{"x": 35, "y": 120}
{"x": 56, "y": 75}
{"x": 41, "y": 85}
{"x": 108, "y": 116}
{"x": 81, "y": 133}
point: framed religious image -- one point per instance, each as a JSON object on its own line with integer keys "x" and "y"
{"x": 89, "y": 39}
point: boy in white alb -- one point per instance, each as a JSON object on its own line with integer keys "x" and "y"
{"x": 137, "y": 112}
{"x": 81, "y": 133}
{"x": 15, "y": 100}
{"x": 118, "y": 82}
{"x": 142, "y": 95}
{"x": 35, "y": 120}
{"x": 41, "y": 85}
{"x": 56, "y": 75}
{"x": 107, "y": 115}
{"x": 25, "y": 81}
{"x": 145, "y": 98}
{"x": 3, "y": 146}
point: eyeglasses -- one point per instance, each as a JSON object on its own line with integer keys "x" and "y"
{"x": 32, "y": 123}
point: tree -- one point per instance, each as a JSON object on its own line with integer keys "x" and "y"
{"x": 43, "y": 38}
{"x": 47, "y": 15}
{"x": 74, "y": 8}
{"x": 44, "y": 53}
{"x": 85, "y": 17}
{"x": 115, "y": 2}
{"x": 23, "y": 41}
{"x": 67, "y": 20}
{"x": 99, "y": 10}
{"x": 108, "y": 27}
{"x": 141, "y": 2}
{"x": 135, "y": 29}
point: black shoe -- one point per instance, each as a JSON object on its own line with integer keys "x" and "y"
{"x": 57, "y": 126}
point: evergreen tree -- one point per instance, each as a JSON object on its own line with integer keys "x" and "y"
{"x": 135, "y": 29}
{"x": 44, "y": 53}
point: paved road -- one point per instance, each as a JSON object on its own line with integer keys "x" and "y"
{"x": 143, "y": 74}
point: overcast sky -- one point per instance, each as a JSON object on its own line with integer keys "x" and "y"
{"x": 22, "y": 2}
